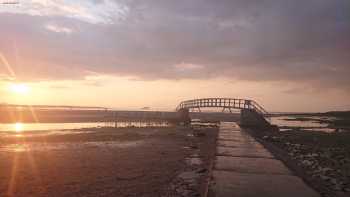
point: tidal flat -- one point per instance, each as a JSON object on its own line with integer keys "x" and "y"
{"x": 107, "y": 162}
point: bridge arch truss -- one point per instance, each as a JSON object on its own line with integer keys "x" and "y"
{"x": 225, "y": 103}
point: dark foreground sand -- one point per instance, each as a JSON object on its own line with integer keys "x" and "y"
{"x": 107, "y": 162}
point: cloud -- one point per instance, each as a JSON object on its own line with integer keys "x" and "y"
{"x": 105, "y": 12}
{"x": 183, "y": 67}
{"x": 305, "y": 42}
{"x": 58, "y": 29}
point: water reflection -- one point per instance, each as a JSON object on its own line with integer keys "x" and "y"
{"x": 37, "y": 146}
{"x": 15, "y": 148}
{"x": 22, "y": 127}
{"x": 288, "y": 121}
{"x": 312, "y": 123}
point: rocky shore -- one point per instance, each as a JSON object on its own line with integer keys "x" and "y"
{"x": 321, "y": 159}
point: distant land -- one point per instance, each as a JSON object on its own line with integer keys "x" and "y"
{"x": 49, "y": 106}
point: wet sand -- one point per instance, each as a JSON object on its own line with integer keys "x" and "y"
{"x": 107, "y": 162}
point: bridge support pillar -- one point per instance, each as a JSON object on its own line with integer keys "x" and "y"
{"x": 250, "y": 118}
{"x": 184, "y": 116}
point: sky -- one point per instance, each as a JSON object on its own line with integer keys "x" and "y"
{"x": 287, "y": 55}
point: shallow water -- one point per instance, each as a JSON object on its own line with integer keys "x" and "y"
{"x": 20, "y": 127}
{"x": 286, "y": 123}
{"x": 25, "y": 147}
{"x": 25, "y": 127}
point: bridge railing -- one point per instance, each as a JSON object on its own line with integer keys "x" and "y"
{"x": 258, "y": 108}
{"x": 224, "y": 103}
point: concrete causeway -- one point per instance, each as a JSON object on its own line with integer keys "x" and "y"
{"x": 244, "y": 168}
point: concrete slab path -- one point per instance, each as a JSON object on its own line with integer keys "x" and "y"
{"x": 244, "y": 168}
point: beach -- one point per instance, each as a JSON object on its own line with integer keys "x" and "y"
{"x": 150, "y": 161}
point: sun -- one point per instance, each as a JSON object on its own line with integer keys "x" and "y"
{"x": 18, "y": 127}
{"x": 19, "y": 88}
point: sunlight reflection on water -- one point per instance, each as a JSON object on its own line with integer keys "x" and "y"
{"x": 24, "y": 147}
{"x": 20, "y": 127}
{"x": 25, "y": 127}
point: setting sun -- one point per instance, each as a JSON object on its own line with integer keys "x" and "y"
{"x": 19, "y": 88}
{"x": 18, "y": 127}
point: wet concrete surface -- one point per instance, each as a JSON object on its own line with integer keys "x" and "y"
{"x": 251, "y": 165}
{"x": 235, "y": 144}
{"x": 235, "y": 139}
{"x": 243, "y": 152}
{"x": 229, "y": 184}
{"x": 243, "y": 167}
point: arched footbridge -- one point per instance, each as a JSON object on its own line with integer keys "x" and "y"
{"x": 252, "y": 113}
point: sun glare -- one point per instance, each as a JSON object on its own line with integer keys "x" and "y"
{"x": 19, "y": 88}
{"x": 18, "y": 127}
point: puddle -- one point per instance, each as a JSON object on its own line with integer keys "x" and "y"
{"x": 326, "y": 130}
{"x": 306, "y": 123}
{"x": 321, "y": 129}
{"x": 284, "y": 129}
{"x": 290, "y": 121}
{"x": 24, "y": 147}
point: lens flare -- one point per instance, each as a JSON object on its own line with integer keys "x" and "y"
{"x": 19, "y": 88}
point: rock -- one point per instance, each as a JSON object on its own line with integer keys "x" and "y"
{"x": 333, "y": 181}
{"x": 307, "y": 162}
{"x": 325, "y": 178}
{"x": 346, "y": 189}
{"x": 314, "y": 155}
{"x": 326, "y": 169}
{"x": 201, "y": 170}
